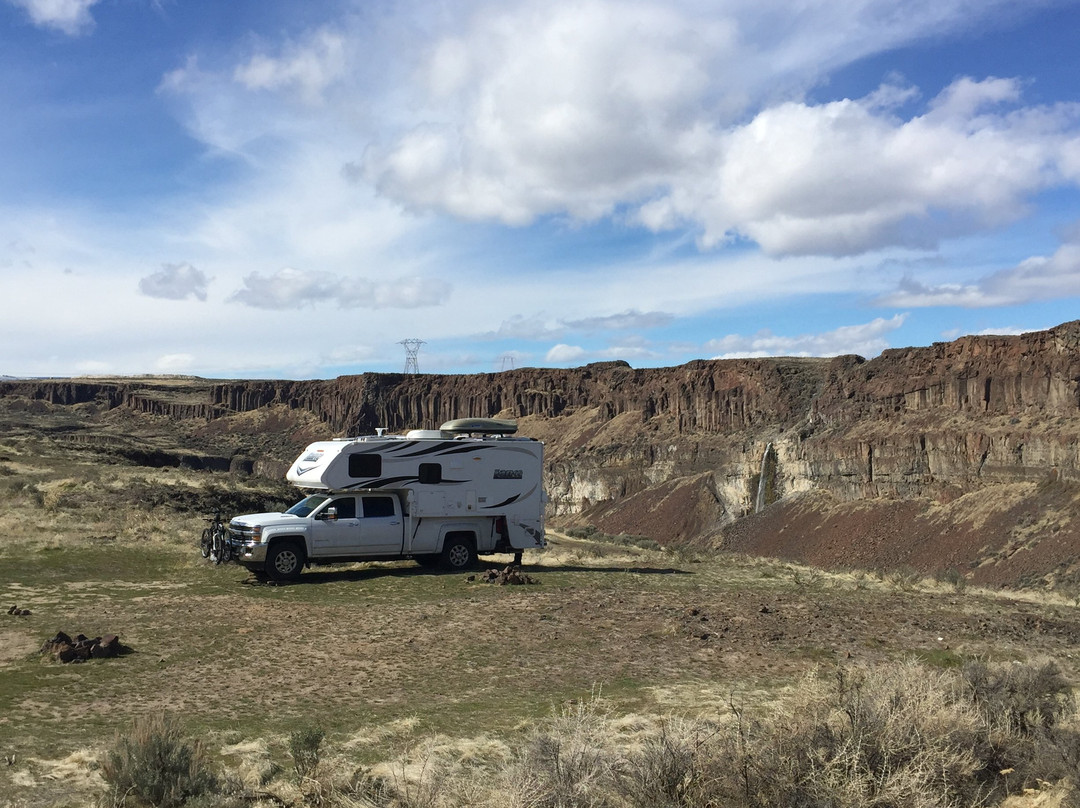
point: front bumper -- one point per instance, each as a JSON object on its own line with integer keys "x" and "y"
{"x": 249, "y": 554}
{"x": 245, "y": 544}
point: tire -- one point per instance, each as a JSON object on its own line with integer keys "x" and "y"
{"x": 285, "y": 561}
{"x": 204, "y": 543}
{"x": 459, "y": 552}
{"x": 218, "y": 551}
{"x": 226, "y": 548}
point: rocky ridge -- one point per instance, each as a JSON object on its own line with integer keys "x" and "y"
{"x": 681, "y": 454}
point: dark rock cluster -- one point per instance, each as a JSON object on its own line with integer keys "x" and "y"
{"x": 507, "y": 575}
{"x": 80, "y": 648}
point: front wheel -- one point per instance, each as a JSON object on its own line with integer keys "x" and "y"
{"x": 205, "y": 543}
{"x": 285, "y": 561}
{"x": 458, "y": 553}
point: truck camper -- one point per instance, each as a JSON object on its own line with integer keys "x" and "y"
{"x": 441, "y": 496}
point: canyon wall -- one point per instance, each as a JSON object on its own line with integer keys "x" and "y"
{"x": 676, "y": 453}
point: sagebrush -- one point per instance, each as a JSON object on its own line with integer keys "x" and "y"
{"x": 891, "y": 735}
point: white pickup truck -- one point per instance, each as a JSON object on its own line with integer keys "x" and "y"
{"x": 437, "y": 496}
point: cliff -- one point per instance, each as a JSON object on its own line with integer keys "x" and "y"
{"x": 682, "y": 454}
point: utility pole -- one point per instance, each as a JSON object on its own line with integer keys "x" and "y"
{"x": 412, "y": 347}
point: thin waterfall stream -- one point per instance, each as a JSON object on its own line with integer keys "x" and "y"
{"x": 759, "y": 504}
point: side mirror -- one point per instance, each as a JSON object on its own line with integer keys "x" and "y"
{"x": 330, "y": 514}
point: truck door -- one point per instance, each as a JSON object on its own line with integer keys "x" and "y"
{"x": 381, "y": 528}
{"x": 340, "y": 535}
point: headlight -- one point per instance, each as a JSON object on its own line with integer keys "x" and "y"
{"x": 256, "y": 533}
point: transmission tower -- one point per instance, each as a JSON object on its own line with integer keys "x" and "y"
{"x": 412, "y": 347}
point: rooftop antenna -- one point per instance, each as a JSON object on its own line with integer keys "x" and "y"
{"x": 412, "y": 347}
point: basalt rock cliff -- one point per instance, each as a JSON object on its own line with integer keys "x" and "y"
{"x": 963, "y": 455}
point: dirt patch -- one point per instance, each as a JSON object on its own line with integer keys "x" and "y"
{"x": 17, "y": 644}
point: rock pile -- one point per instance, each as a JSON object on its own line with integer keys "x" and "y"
{"x": 81, "y": 648}
{"x": 17, "y": 612}
{"x": 508, "y": 575}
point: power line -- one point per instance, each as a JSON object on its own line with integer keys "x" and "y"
{"x": 412, "y": 348}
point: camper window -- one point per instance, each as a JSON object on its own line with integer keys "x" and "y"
{"x": 430, "y": 473}
{"x": 378, "y": 506}
{"x": 365, "y": 465}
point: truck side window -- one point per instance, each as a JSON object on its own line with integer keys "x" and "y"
{"x": 346, "y": 507}
{"x": 430, "y": 473}
{"x": 365, "y": 465}
{"x": 378, "y": 506}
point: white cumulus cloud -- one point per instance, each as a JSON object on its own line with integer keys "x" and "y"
{"x": 306, "y": 67}
{"x": 70, "y": 16}
{"x": 174, "y": 363}
{"x": 539, "y": 327}
{"x": 175, "y": 282}
{"x": 563, "y": 354}
{"x": 864, "y": 339}
{"x": 291, "y": 288}
{"x": 1037, "y": 278}
{"x": 631, "y": 320}
{"x": 678, "y": 119}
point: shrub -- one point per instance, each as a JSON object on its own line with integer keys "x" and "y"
{"x": 951, "y": 577}
{"x": 565, "y": 765}
{"x": 671, "y": 768}
{"x": 1020, "y": 699}
{"x": 155, "y": 765}
{"x": 304, "y": 745}
{"x": 871, "y": 737}
{"x": 905, "y": 578}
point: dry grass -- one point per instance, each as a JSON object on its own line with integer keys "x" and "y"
{"x": 863, "y": 737}
{"x": 437, "y": 691}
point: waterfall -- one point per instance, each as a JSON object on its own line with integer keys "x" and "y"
{"x": 759, "y": 504}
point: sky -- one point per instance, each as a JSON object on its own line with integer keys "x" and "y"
{"x": 288, "y": 189}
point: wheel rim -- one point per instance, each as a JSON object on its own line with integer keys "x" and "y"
{"x": 286, "y": 561}
{"x": 458, "y": 555}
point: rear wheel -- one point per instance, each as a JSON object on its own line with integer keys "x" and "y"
{"x": 285, "y": 561}
{"x": 205, "y": 543}
{"x": 459, "y": 552}
{"x": 217, "y": 551}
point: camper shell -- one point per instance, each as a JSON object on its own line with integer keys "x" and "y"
{"x": 470, "y": 487}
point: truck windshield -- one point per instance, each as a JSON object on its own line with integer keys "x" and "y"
{"x": 307, "y": 505}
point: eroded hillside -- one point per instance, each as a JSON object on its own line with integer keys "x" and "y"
{"x": 962, "y": 455}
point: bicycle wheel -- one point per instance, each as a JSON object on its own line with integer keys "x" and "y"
{"x": 205, "y": 543}
{"x": 218, "y": 553}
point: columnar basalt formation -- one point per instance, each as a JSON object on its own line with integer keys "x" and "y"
{"x": 677, "y": 453}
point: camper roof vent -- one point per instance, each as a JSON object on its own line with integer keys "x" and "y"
{"x": 426, "y": 434}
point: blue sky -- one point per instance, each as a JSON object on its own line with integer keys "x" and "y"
{"x": 258, "y": 188}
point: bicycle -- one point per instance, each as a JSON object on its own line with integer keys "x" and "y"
{"x": 214, "y": 542}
